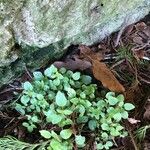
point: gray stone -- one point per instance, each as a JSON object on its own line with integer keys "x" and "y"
{"x": 45, "y": 28}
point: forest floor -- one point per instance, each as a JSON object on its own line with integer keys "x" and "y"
{"x": 120, "y": 63}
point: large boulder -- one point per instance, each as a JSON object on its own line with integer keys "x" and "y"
{"x": 43, "y": 29}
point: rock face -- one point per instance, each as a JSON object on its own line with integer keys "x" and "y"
{"x": 45, "y": 28}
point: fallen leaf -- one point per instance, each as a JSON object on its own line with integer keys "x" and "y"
{"x": 129, "y": 29}
{"x": 86, "y": 52}
{"x": 140, "y": 26}
{"x": 73, "y": 64}
{"x": 137, "y": 40}
{"x": 100, "y": 71}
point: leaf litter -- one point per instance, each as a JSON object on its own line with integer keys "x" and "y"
{"x": 101, "y": 72}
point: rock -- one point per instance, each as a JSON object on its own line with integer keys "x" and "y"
{"x": 45, "y": 28}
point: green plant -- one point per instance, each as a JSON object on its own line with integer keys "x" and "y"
{"x": 141, "y": 132}
{"x": 11, "y": 143}
{"x": 69, "y": 102}
{"x": 125, "y": 52}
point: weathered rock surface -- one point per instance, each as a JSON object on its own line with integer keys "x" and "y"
{"x": 45, "y": 28}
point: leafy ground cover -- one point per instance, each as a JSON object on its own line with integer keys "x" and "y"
{"x": 84, "y": 112}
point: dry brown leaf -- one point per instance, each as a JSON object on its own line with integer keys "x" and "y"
{"x": 140, "y": 26}
{"x": 73, "y": 64}
{"x": 86, "y": 52}
{"x": 100, "y": 71}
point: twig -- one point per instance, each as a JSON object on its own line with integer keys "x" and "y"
{"x": 28, "y": 73}
{"x": 11, "y": 89}
{"x": 124, "y": 24}
{"x": 132, "y": 139}
{"x": 144, "y": 80}
{"x": 117, "y": 63}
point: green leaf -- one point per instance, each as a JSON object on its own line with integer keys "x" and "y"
{"x": 56, "y": 82}
{"x": 81, "y": 109}
{"x": 61, "y": 99}
{"x": 112, "y": 100}
{"x": 40, "y": 96}
{"x": 80, "y": 140}
{"x": 56, "y": 145}
{"x": 82, "y": 119}
{"x": 120, "y": 97}
{"x": 120, "y": 104}
{"x": 20, "y": 109}
{"x": 92, "y": 124}
{"x": 38, "y": 75}
{"x": 46, "y": 134}
{"x": 75, "y": 101}
{"x": 51, "y": 95}
{"x": 62, "y": 70}
{"x": 99, "y": 146}
{"x": 117, "y": 116}
{"x": 128, "y": 106}
{"x": 108, "y": 144}
{"x": 71, "y": 92}
{"x": 55, "y": 119}
{"x": 104, "y": 135}
{"x": 25, "y": 124}
{"x": 66, "y": 133}
{"x": 82, "y": 95}
{"x": 66, "y": 122}
{"x": 86, "y": 79}
{"x": 114, "y": 132}
{"x": 105, "y": 126}
{"x": 110, "y": 94}
{"x": 55, "y": 136}
{"x": 119, "y": 128}
{"x": 76, "y": 76}
{"x": 28, "y": 126}
{"x": 28, "y": 86}
{"x": 50, "y": 71}
{"x": 25, "y": 99}
{"x": 34, "y": 119}
{"x": 67, "y": 112}
{"x": 125, "y": 115}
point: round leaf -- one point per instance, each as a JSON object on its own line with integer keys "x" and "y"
{"x": 25, "y": 99}
{"x": 99, "y": 146}
{"x": 117, "y": 116}
{"x": 55, "y": 119}
{"x": 56, "y": 145}
{"x": 49, "y": 71}
{"x": 112, "y": 100}
{"x": 46, "y": 134}
{"x": 38, "y": 75}
{"x": 92, "y": 124}
{"x": 28, "y": 86}
{"x": 80, "y": 140}
{"x": 120, "y": 97}
{"x": 105, "y": 126}
{"x": 86, "y": 79}
{"x": 128, "y": 106}
{"x": 76, "y": 76}
{"x": 61, "y": 99}
{"x": 66, "y": 133}
{"x": 124, "y": 114}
